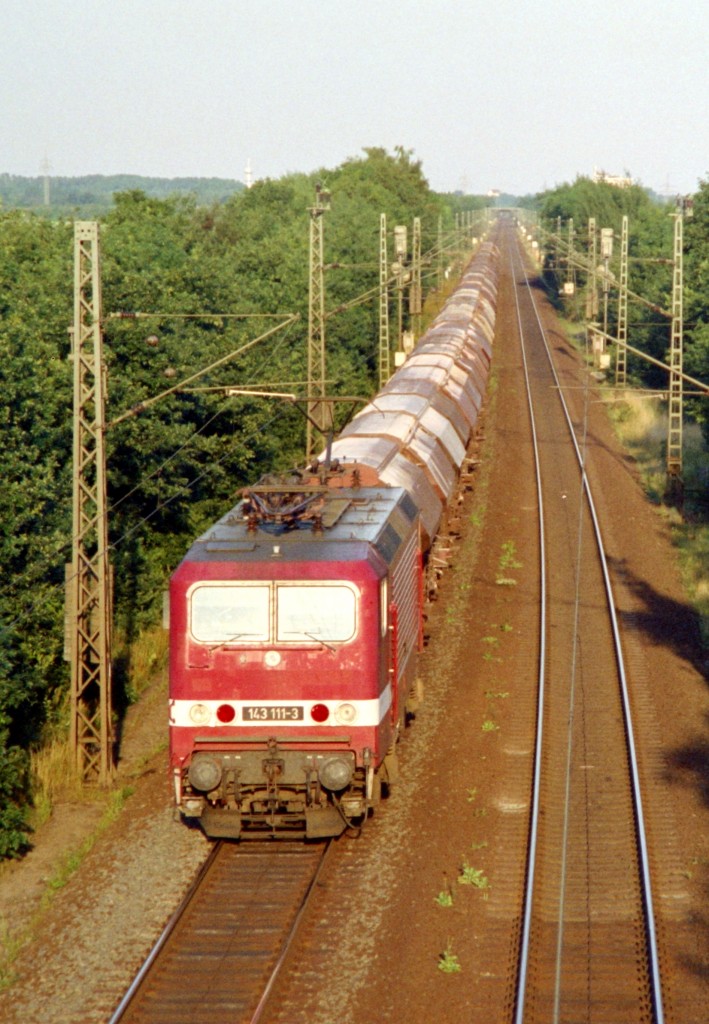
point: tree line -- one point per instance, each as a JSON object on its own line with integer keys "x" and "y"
{"x": 93, "y": 193}
{"x": 189, "y": 268}
{"x": 650, "y": 251}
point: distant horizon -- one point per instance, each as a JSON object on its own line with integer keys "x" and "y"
{"x": 487, "y": 96}
{"x": 50, "y": 175}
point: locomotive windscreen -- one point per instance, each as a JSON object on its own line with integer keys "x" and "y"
{"x": 271, "y": 612}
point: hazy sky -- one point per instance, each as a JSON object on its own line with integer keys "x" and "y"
{"x": 496, "y": 94}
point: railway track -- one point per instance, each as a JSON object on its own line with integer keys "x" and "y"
{"x": 585, "y": 927}
{"x": 219, "y": 955}
{"x": 588, "y": 945}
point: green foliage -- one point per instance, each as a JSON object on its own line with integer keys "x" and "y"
{"x": 196, "y": 274}
{"x": 650, "y": 252}
{"x": 475, "y": 877}
{"x": 444, "y": 898}
{"x": 649, "y": 248}
{"x": 14, "y": 764}
{"x": 586, "y": 198}
{"x": 448, "y": 961}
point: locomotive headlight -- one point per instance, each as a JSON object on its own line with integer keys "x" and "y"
{"x": 345, "y": 714}
{"x": 200, "y": 714}
{"x": 204, "y": 773}
{"x": 335, "y": 773}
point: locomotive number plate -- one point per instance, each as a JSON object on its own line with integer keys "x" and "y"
{"x": 281, "y": 713}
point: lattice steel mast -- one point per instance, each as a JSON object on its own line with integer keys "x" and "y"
{"x": 319, "y": 412}
{"x": 621, "y": 357}
{"x": 674, "y": 436}
{"x": 384, "y": 344}
{"x": 592, "y": 293}
{"x": 415, "y": 295}
{"x": 570, "y": 268}
{"x": 88, "y": 601}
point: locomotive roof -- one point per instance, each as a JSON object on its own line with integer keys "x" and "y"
{"x": 348, "y": 521}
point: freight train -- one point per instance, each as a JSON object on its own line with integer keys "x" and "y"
{"x": 296, "y": 620}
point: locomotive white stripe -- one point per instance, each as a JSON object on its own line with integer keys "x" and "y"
{"x": 368, "y": 713}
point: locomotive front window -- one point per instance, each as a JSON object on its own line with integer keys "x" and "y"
{"x": 242, "y": 613}
{"x": 311, "y": 612}
{"x": 230, "y": 614}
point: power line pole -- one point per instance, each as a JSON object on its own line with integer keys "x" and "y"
{"x": 384, "y": 345}
{"x": 570, "y": 286}
{"x": 415, "y": 287}
{"x": 592, "y": 294}
{"x": 319, "y": 412}
{"x": 401, "y": 248}
{"x": 88, "y": 597}
{"x": 674, "y": 434}
{"x": 621, "y": 356}
{"x": 606, "y": 254}
{"x": 440, "y": 253}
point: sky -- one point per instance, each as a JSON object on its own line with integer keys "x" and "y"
{"x": 501, "y": 94}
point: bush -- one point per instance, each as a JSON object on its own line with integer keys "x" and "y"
{"x": 14, "y": 828}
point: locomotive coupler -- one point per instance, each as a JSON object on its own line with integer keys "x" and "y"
{"x": 273, "y": 768}
{"x": 313, "y": 793}
{"x": 231, "y": 789}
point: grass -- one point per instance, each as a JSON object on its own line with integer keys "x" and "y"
{"x": 12, "y": 945}
{"x": 448, "y": 961}
{"x": 52, "y": 764}
{"x": 474, "y": 877}
{"x": 143, "y": 659}
{"x": 444, "y": 898}
{"x": 640, "y": 424}
{"x": 54, "y": 775}
{"x": 55, "y": 779}
{"x": 69, "y": 865}
{"x": 692, "y": 541}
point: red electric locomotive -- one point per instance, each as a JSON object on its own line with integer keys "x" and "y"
{"x": 296, "y": 622}
{"x": 296, "y": 619}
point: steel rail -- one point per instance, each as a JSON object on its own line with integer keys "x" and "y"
{"x": 201, "y": 876}
{"x": 541, "y": 682}
{"x": 164, "y": 935}
{"x": 644, "y": 863}
{"x": 288, "y": 941}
